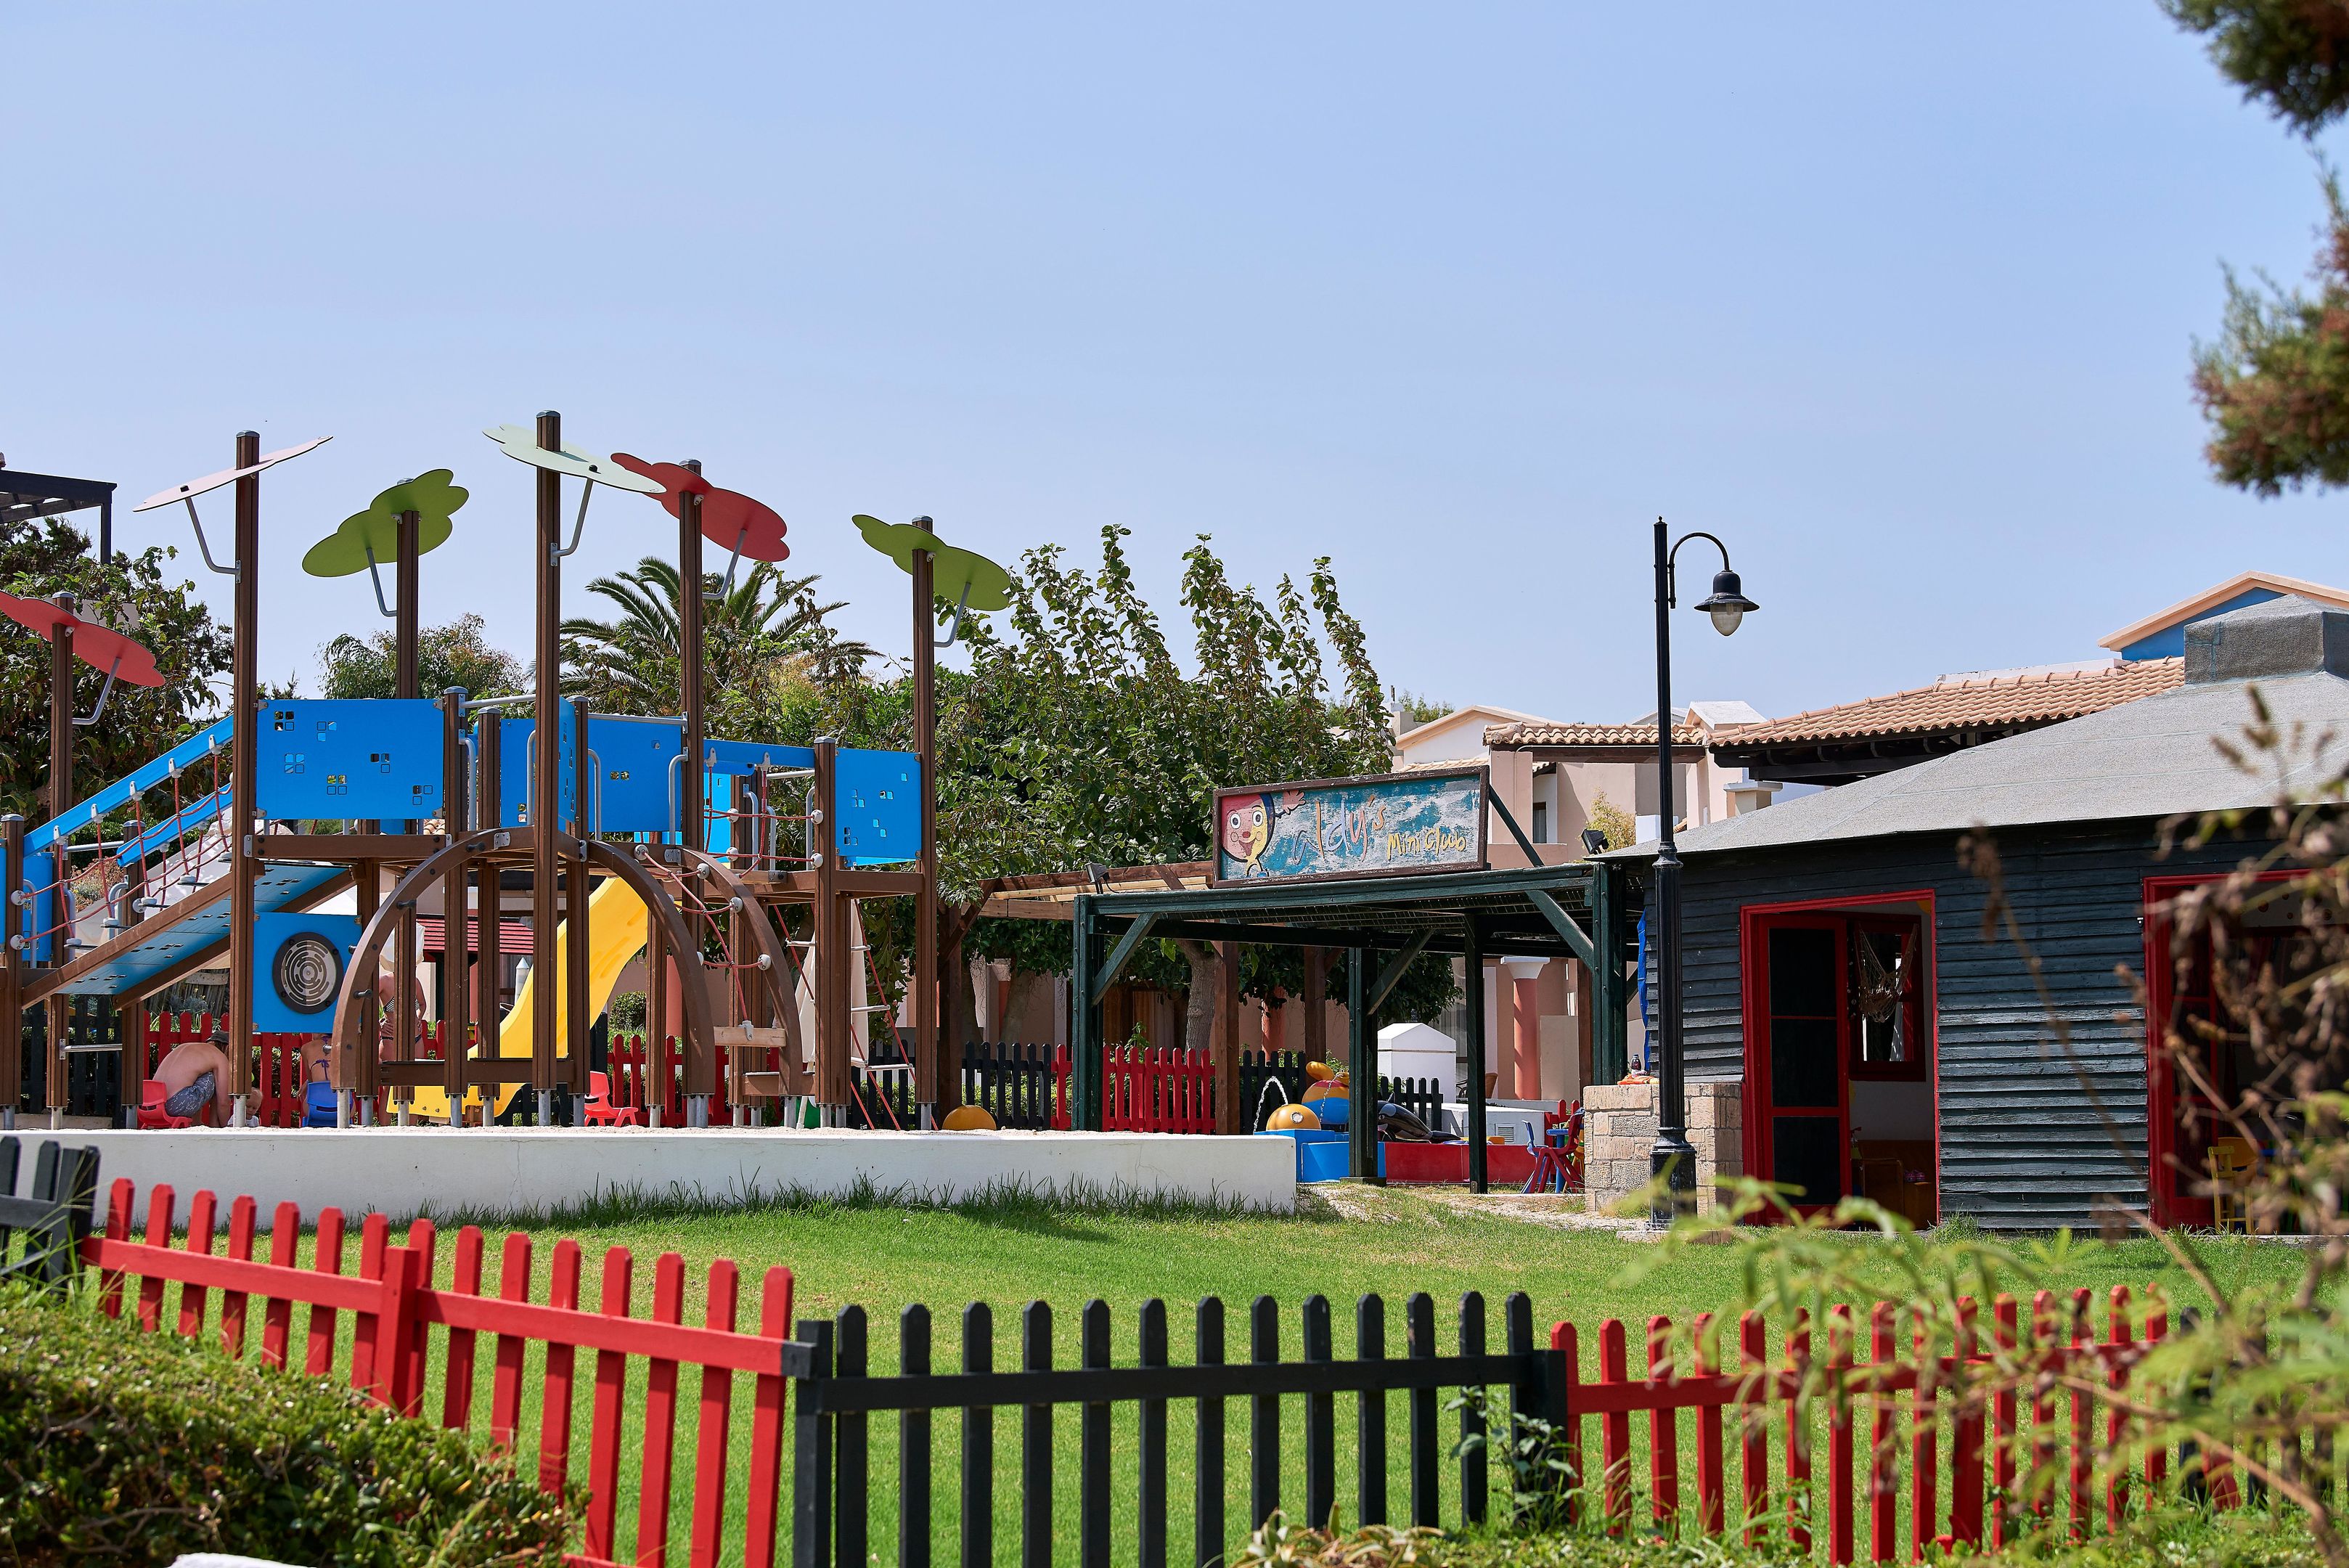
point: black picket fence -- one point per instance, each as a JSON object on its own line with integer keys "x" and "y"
{"x": 837, "y": 1395}
{"x": 94, "y": 1076}
{"x": 52, "y": 1217}
{"x": 883, "y": 1100}
{"x": 1012, "y": 1083}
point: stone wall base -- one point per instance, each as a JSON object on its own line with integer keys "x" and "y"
{"x": 1619, "y": 1135}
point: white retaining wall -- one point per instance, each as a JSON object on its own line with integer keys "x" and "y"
{"x": 406, "y": 1171}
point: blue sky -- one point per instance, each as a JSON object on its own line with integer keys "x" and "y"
{"x": 1897, "y": 300}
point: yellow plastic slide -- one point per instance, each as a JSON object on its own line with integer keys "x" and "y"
{"x": 616, "y": 935}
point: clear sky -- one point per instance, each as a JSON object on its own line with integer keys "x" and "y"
{"x": 1897, "y": 300}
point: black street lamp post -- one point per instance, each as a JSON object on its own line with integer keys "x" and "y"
{"x": 1672, "y": 1162}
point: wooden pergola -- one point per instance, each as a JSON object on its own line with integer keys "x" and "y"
{"x": 1581, "y": 911}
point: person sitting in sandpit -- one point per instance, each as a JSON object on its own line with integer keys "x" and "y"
{"x": 194, "y": 1074}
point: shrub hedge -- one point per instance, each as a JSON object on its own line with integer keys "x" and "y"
{"x": 120, "y": 1447}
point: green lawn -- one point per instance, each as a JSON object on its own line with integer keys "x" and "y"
{"x": 1011, "y": 1253}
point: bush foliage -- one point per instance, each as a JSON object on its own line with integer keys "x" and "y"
{"x": 120, "y": 1446}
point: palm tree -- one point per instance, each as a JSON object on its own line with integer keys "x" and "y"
{"x": 767, "y": 626}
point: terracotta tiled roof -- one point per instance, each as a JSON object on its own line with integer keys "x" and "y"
{"x": 1543, "y": 734}
{"x": 1996, "y": 700}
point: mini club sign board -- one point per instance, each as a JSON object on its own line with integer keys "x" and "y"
{"x": 1383, "y": 824}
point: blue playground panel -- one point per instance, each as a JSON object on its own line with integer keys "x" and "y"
{"x": 1321, "y": 1155}
{"x": 275, "y": 887}
{"x": 343, "y": 758}
{"x": 273, "y": 1012}
{"x": 879, "y": 796}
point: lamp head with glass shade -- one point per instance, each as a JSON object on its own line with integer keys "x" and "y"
{"x": 1727, "y": 604}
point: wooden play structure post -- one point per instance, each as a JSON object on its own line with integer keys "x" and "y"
{"x": 546, "y": 774}
{"x": 693, "y": 792}
{"x": 61, "y": 799}
{"x": 921, "y": 980}
{"x": 453, "y": 943}
{"x": 578, "y": 884}
{"x": 245, "y": 702}
{"x": 12, "y": 971}
{"x": 403, "y": 637}
{"x": 833, "y": 959}
{"x": 486, "y": 944}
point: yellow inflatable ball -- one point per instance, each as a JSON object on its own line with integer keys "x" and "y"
{"x": 1327, "y": 1089}
{"x": 1293, "y": 1118}
{"x": 968, "y": 1118}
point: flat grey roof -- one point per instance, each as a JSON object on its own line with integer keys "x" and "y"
{"x": 2155, "y": 757}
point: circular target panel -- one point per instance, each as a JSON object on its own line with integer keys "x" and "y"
{"x": 306, "y": 972}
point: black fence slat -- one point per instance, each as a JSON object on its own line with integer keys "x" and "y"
{"x": 1035, "y": 1442}
{"x": 812, "y": 1494}
{"x": 853, "y": 1522}
{"x": 1093, "y": 1443}
{"x": 913, "y": 1444}
{"x": 978, "y": 1500}
{"x": 1418, "y": 1345}
{"x": 1321, "y": 1439}
{"x": 1150, "y": 1517}
{"x": 1264, "y": 1414}
{"x": 8, "y": 1157}
{"x": 1207, "y": 1500}
{"x": 1473, "y": 1473}
{"x": 1371, "y": 1416}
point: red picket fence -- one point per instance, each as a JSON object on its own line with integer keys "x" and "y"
{"x": 1146, "y": 1090}
{"x": 634, "y": 1075}
{"x": 1992, "y": 1498}
{"x": 395, "y": 1309}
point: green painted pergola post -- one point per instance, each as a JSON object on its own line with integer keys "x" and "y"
{"x": 1609, "y": 1031}
{"x": 1472, "y": 1020}
{"x": 1084, "y": 1019}
{"x": 1362, "y": 1071}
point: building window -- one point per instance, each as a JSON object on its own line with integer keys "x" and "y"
{"x": 1541, "y": 822}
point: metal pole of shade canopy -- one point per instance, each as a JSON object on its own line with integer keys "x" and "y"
{"x": 1472, "y": 1018}
{"x": 546, "y": 813}
{"x": 925, "y": 978}
{"x": 244, "y": 703}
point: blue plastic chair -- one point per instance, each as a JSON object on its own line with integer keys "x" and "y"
{"x": 319, "y": 1106}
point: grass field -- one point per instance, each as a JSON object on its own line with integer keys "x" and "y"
{"x": 1015, "y": 1250}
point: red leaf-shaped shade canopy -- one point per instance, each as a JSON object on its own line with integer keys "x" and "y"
{"x": 729, "y": 519}
{"x": 95, "y": 644}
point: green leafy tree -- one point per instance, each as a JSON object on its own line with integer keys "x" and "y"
{"x": 457, "y": 654}
{"x": 42, "y": 557}
{"x": 763, "y": 641}
{"x": 2274, "y": 386}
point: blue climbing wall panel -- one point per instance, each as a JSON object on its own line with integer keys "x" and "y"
{"x": 339, "y": 758}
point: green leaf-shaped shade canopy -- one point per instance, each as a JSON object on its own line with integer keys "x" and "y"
{"x": 430, "y": 496}
{"x": 521, "y": 443}
{"x": 951, "y": 569}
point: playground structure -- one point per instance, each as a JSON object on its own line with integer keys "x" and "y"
{"x": 733, "y": 866}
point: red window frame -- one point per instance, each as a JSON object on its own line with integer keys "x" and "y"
{"x": 1755, "y": 922}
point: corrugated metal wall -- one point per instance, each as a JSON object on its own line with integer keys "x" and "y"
{"x": 2027, "y": 1132}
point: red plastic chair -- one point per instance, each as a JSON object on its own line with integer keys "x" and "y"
{"x": 602, "y": 1112}
{"x": 153, "y": 1093}
{"x": 1558, "y": 1166}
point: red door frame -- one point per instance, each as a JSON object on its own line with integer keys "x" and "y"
{"x": 1751, "y": 966}
{"x": 2160, "y": 997}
